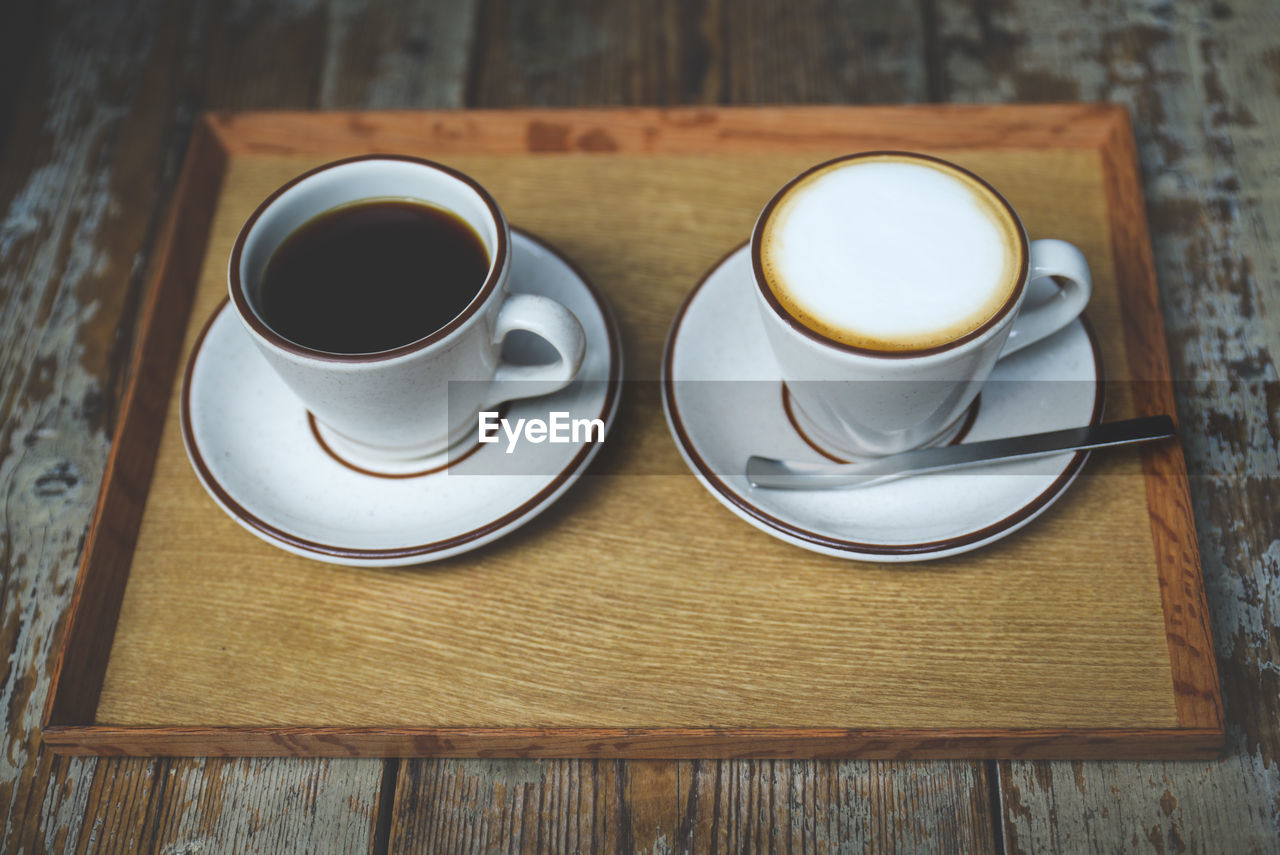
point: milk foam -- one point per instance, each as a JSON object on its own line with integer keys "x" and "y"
{"x": 891, "y": 253}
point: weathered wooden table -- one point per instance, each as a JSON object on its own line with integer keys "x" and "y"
{"x": 96, "y": 106}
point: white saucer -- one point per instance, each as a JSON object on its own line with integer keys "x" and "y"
{"x": 718, "y": 336}
{"x": 254, "y": 448}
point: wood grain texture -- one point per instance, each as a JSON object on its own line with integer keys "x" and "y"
{"x": 703, "y": 52}
{"x": 640, "y": 743}
{"x": 675, "y": 131}
{"x": 188, "y": 650}
{"x": 1201, "y": 80}
{"x": 526, "y": 806}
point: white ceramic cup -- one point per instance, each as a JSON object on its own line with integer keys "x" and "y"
{"x": 401, "y": 404}
{"x": 868, "y": 403}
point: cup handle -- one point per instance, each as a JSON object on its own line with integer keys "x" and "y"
{"x": 1052, "y": 258}
{"x": 551, "y": 322}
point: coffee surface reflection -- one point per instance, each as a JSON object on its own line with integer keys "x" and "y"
{"x": 372, "y": 276}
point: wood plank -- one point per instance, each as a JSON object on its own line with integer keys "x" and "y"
{"x": 263, "y": 805}
{"x": 1201, "y": 81}
{"x": 214, "y": 805}
{"x": 92, "y": 142}
{"x": 72, "y": 225}
{"x": 385, "y": 55}
{"x": 526, "y": 806}
{"x": 607, "y": 53}
{"x": 840, "y": 51}
{"x": 570, "y": 53}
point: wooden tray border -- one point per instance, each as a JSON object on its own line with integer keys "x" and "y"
{"x": 68, "y": 725}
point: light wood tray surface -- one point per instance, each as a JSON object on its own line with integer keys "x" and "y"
{"x": 638, "y": 617}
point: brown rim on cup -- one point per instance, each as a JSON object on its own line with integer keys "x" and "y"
{"x": 757, "y": 263}
{"x": 251, "y": 316}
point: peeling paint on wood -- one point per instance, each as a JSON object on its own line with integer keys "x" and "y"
{"x": 256, "y": 805}
{"x": 521, "y": 806}
{"x": 1205, "y": 114}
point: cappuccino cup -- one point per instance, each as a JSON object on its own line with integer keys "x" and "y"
{"x": 890, "y": 283}
{"x": 396, "y": 401}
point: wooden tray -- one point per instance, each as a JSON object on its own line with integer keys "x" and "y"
{"x": 639, "y": 618}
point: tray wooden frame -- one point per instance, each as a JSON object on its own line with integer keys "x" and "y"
{"x": 78, "y": 677}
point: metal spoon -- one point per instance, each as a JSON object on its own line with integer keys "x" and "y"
{"x": 796, "y": 475}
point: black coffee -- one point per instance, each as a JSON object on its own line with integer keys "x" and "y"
{"x": 372, "y": 276}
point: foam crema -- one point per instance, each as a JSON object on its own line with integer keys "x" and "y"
{"x": 891, "y": 253}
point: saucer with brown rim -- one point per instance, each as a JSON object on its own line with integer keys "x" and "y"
{"x": 267, "y": 463}
{"x": 725, "y": 401}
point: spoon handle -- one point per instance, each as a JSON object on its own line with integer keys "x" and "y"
{"x": 796, "y": 475}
